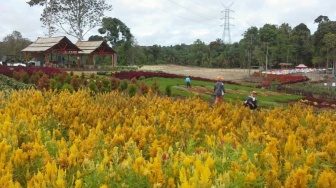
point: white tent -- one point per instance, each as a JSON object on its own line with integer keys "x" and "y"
{"x": 301, "y": 66}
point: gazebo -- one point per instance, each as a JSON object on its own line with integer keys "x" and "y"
{"x": 43, "y": 48}
{"x": 96, "y": 48}
{"x": 301, "y": 66}
{"x": 285, "y": 65}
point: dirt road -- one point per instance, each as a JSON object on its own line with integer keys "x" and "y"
{"x": 210, "y": 73}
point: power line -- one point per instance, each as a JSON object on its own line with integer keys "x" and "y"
{"x": 203, "y": 6}
{"x": 200, "y": 14}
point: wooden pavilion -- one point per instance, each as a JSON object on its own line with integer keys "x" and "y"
{"x": 285, "y": 65}
{"x": 44, "y": 48}
{"x": 96, "y": 48}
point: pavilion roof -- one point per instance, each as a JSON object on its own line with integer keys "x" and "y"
{"x": 95, "y": 47}
{"x": 58, "y": 44}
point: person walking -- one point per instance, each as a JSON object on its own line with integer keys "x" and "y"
{"x": 219, "y": 90}
{"x": 252, "y": 101}
{"x": 187, "y": 80}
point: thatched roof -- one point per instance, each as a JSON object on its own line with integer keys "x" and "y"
{"x": 95, "y": 47}
{"x": 53, "y": 43}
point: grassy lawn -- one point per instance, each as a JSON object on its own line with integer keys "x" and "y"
{"x": 234, "y": 93}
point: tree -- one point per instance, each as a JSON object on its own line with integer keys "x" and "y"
{"x": 321, "y": 19}
{"x": 329, "y": 49}
{"x": 74, "y": 17}
{"x": 302, "y": 43}
{"x": 115, "y": 31}
{"x": 13, "y": 44}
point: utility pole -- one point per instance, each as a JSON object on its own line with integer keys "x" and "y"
{"x": 226, "y": 32}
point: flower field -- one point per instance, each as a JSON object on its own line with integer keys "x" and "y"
{"x": 52, "y": 139}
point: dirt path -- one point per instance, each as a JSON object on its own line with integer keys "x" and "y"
{"x": 210, "y": 73}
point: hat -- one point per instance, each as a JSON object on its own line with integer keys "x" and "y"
{"x": 254, "y": 92}
{"x": 219, "y": 78}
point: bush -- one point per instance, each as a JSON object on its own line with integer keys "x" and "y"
{"x": 75, "y": 83}
{"x": 143, "y": 88}
{"x": 43, "y": 82}
{"x": 134, "y": 80}
{"x": 115, "y": 83}
{"x": 93, "y": 87}
{"x": 124, "y": 85}
{"x": 67, "y": 87}
{"x": 168, "y": 90}
{"x": 132, "y": 90}
{"x": 55, "y": 85}
{"x": 155, "y": 87}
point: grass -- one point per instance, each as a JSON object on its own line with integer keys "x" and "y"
{"x": 235, "y": 93}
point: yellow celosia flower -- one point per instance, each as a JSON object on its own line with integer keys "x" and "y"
{"x": 243, "y": 155}
{"x": 327, "y": 179}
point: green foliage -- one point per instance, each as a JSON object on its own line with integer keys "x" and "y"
{"x": 7, "y": 83}
{"x": 25, "y": 78}
{"x": 93, "y": 87}
{"x": 123, "y": 85}
{"x": 67, "y": 87}
{"x": 67, "y": 79}
{"x": 168, "y": 90}
{"x": 132, "y": 90}
{"x": 55, "y": 85}
{"x": 155, "y": 87}
{"x": 141, "y": 78}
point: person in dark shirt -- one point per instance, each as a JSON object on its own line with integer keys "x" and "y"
{"x": 219, "y": 90}
{"x": 252, "y": 101}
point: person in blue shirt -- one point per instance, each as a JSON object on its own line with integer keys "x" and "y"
{"x": 252, "y": 101}
{"x": 187, "y": 80}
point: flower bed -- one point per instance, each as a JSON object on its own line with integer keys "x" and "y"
{"x": 73, "y": 140}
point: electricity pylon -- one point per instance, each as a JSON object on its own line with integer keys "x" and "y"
{"x": 226, "y": 32}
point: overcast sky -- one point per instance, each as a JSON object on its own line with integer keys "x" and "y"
{"x": 171, "y": 22}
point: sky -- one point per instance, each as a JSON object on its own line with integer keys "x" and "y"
{"x": 173, "y": 22}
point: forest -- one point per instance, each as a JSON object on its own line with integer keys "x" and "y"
{"x": 277, "y": 44}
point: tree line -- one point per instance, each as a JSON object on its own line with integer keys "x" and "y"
{"x": 270, "y": 44}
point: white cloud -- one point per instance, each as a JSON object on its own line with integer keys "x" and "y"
{"x": 170, "y": 22}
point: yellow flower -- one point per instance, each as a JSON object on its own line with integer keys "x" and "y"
{"x": 327, "y": 179}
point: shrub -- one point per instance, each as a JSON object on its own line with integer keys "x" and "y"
{"x": 168, "y": 90}
{"x": 75, "y": 83}
{"x": 43, "y": 82}
{"x": 67, "y": 80}
{"x": 25, "y": 78}
{"x": 67, "y": 87}
{"x": 93, "y": 87}
{"x": 143, "y": 88}
{"x": 141, "y": 78}
{"x": 82, "y": 75}
{"x": 132, "y": 90}
{"x": 85, "y": 82}
{"x": 134, "y": 80}
{"x": 34, "y": 78}
{"x": 55, "y": 85}
{"x": 155, "y": 87}
{"x": 124, "y": 85}
{"x": 115, "y": 83}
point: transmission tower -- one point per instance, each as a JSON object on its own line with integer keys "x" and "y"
{"x": 226, "y": 32}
